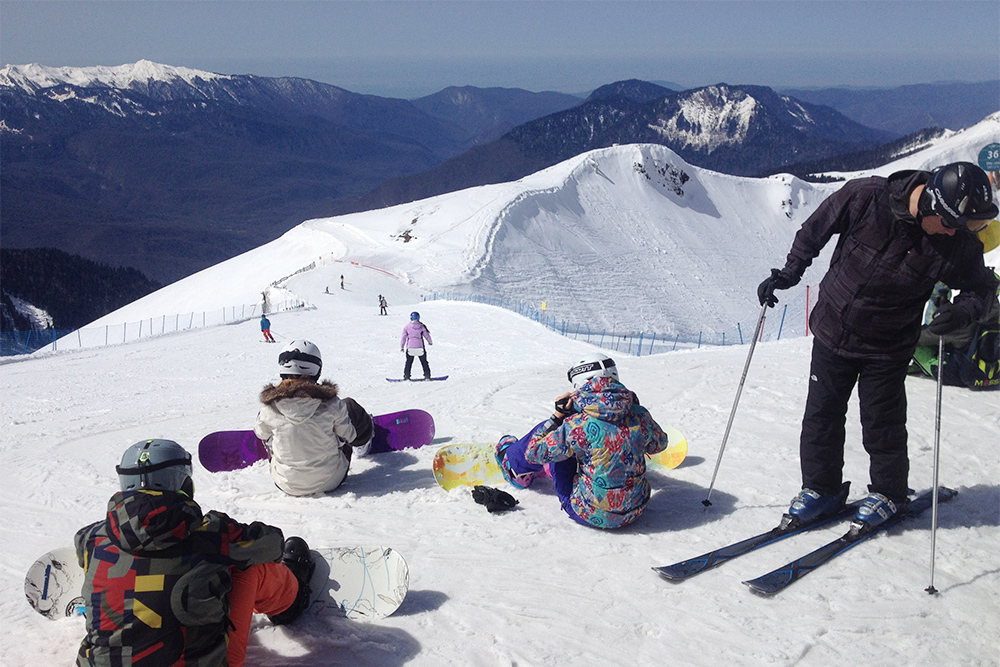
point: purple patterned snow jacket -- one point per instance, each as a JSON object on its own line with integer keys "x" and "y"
{"x": 609, "y": 437}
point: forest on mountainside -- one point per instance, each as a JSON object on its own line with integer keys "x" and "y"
{"x": 73, "y": 290}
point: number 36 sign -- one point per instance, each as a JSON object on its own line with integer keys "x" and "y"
{"x": 989, "y": 157}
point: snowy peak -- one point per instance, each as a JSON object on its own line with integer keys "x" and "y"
{"x": 134, "y": 76}
{"x": 708, "y": 118}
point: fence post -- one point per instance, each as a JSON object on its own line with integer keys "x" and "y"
{"x": 740, "y": 330}
{"x": 640, "y": 346}
{"x": 780, "y": 326}
{"x": 699, "y": 340}
{"x": 677, "y": 338}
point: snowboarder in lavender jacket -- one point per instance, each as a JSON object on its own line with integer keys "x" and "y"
{"x": 412, "y": 343}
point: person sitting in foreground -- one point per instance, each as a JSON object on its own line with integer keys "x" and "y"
{"x": 169, "y": 585}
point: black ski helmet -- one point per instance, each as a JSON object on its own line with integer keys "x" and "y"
{"x": 156, "y": 465}
{"x": 961, "y": 194}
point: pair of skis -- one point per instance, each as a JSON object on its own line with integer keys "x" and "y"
{"x": 779, "y": 579}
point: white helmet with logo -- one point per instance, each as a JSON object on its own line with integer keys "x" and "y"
{"x": 593, "y": 365}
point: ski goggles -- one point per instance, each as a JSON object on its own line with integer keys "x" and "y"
{"x": 930, "y": 205}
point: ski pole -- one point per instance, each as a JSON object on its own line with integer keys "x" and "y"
{"x": 937, "y": 451}
{"x": 753, "y": 343}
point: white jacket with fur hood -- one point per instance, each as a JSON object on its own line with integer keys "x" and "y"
{"x": 304, "y": 426}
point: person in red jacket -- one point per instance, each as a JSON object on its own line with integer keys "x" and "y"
{"x": 898, "y": 236}
{"x": 169, "y": 585}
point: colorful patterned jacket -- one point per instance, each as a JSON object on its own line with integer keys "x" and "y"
{"x": 609, "y": 437}
{"x": 158, "y": 580}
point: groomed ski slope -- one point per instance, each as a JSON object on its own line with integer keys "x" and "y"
{"x": 528, "y": 587}
{"x": 629, "y": 238}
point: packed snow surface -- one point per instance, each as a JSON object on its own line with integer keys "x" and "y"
{"x": 527, "y": 587}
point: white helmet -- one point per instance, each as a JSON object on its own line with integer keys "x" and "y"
{"x": 593, "y": 365}
{"x": 298, "y": 358}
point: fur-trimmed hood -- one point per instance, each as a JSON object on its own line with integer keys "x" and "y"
{"x": 298, "y": 388}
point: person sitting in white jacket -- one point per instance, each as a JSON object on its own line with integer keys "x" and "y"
{"x": 308, "y": 430}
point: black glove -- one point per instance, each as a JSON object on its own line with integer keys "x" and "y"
{"x": 494, "y": 499}
{"x": 948, "y": 318}
{"x": 777, "y": 280}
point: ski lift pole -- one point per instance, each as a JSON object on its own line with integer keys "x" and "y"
{"x": 753, "y": 343}
{"x": 937, "y": 452}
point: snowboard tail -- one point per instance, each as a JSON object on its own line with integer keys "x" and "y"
{"x": 467, "y": 465}
{"x": 364, "y": 583}
{"x": 54, "y": 583}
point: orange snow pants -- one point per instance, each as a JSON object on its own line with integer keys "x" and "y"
{"x": 269, "y": 588}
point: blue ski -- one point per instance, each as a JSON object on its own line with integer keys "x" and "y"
{"x": 779, "y": 579}
{"x": 688, "y": 568}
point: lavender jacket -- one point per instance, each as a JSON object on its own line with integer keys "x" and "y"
{"x": 413, "y": 335}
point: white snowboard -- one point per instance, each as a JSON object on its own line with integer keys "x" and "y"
{"x": 365, "y": 583}
{"x": 53, "y": 585}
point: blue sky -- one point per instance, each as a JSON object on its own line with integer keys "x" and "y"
{"x": 414, "y": 48}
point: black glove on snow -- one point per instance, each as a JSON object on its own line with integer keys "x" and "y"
{"x": 494, "y": 499}
{"x": 948, "y": 318}
{"x": 777, "y": 280}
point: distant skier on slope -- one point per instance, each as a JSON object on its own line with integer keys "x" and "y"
{"x": 189, "y": 581}
{"x": 898, "y": 237}
{"x": 595, "y": 442}
{"x": 265, "y": 328}
{"x": 308, "y": 430}
{"x": 383, "y": 305}
{"x": 412, "y": 344}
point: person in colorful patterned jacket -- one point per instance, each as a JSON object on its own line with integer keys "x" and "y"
{"x": 169, "y": 585}
{"x": 595, "y": 445}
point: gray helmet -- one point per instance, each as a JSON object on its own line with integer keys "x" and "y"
{"x": 158, "y": 465}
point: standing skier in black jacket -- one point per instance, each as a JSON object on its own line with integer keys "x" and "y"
{"x": 898, "y": 236}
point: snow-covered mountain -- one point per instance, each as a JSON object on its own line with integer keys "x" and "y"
{"x": 628, "y": 237}
{"x": 142, "y": 76}
{"x": 171, "y": 170}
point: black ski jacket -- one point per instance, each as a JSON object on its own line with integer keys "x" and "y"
{"x": 884, "y": 268}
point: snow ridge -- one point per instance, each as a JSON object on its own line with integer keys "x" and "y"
{"x": 34, "y": 77}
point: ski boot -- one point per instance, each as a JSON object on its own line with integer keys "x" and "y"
{"x": 810, "y": 505}
{"x": 295, "y": 556}
{"x": 521, "y": 481}
{"x": 875, "y": 510}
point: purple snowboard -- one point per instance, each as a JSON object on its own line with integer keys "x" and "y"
{"x": 233, "y": 450}
{"x": 230, "y": 450}
{"x": 408, "y": 429}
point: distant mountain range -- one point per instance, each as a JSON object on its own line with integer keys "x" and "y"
{"x": 907, "y": 109}
{"x": 171, "y": 170}
{"x": 741, "y": 130}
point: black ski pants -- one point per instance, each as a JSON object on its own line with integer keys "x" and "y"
{"x": 882, "y": 398}
{"x": 423, "y": 363}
